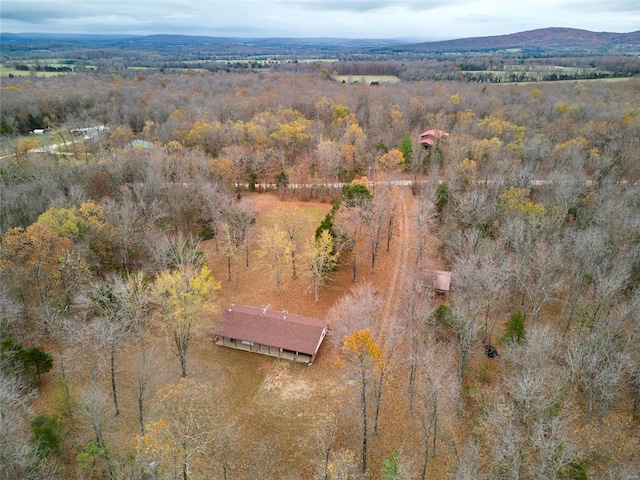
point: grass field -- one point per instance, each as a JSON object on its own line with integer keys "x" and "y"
{"x": 366, "y": 78}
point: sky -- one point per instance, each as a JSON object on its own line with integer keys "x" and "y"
{"x": 415, "y": 19}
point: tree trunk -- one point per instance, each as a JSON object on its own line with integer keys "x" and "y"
{"x": 435, "y": 427}
{"x": 355, "y": 259}
{"x": 113, "y": 380}
{"x": 142, "y": 386}
{"x": 390, "y": 228}
{"x": 294, "y": 273}
{"x": 363, "y": 400}
{"x": 426, "y": 452}
{"x": 378, "y": 402}
{"x": 412, "y": 369}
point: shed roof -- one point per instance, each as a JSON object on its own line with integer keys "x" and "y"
{"x": 271, "y": 327}
{"x": 440, "y": 279}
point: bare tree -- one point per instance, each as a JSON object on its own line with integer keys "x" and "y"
{"x": 528, "y": 428}
{"x": 359, "y": 309}
{"x": 597, "y": 361}
{"x": 436, "y": 386}
{"x": 293, "y": 220}
{"x": 15, "y": 412}
{"x": 417, "y": 308}
{"x": 424, "y": 217}
{"x": 110, "y": 302}
{"x": 352, "y": 216}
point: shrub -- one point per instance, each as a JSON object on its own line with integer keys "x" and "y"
{"x": 47, "y": 434}
{"x": 514, "y": 330}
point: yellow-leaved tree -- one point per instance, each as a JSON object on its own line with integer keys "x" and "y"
{"x": 515, "y": 200}
{"x": 322, "y": 259}
{"x": 275, "y": 252}
{"x": 184, "y": 429}
{"x": 364, "y": 359}
{"x": 182, "y": 295}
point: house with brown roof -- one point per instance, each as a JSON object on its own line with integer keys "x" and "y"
{"x": 428, "y": 139}
{"x": 440, "y": 280}
{"x": 270, "y": 332}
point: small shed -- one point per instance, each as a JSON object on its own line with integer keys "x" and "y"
{"x": 440, "y": 280}
{"x": 428, "y": 139}
{"x": 270, "y": 332}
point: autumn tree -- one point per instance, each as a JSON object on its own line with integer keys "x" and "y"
{"x": 390, "y": 160}
{"x": 324, "y": 427}
{"x": 323, "y": 260}
{"x": 25, "y": 146}
{"x": 182, "y": 295}
{"x": 86, "y": 226}
{"x": 275, "y": 252}
{"x": 184, "y": 430}
{"x": 32, "y": 260}
{"x": 364, "y": 359}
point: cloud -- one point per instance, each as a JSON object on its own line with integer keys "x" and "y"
{"x": 314, "y": 18}
{"x": 362, "y": 6}
{"x": 597, "y": 6}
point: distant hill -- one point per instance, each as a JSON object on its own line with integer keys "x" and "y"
{"x": 542, "y": 39}
{"x": 167, "y": 39}
{"x": 545, "y": 39}
{"x": 62, "y": 37}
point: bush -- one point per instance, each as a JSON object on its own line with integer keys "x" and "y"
{"x": 442, "y": 315}
{"x": 442, "y": 196}
{"x": 514, "y": 330}
{"x": 47, "y": 434}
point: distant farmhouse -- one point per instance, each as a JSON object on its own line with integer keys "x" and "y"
{"x": 91, "y": 134}
{"x": 428, "y": 139}
{"x": 270, "y": 332}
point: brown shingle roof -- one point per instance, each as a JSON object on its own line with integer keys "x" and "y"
{"x": 440, "y": 279}
{"x": 271, "y": 327}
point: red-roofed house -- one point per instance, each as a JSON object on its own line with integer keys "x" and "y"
{"x": 440, "y": 280}
{"x": 270, "y": 332}
{"x": 428, "y": 138}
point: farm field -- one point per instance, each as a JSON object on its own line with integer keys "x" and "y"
{"x": 366, "y": 78}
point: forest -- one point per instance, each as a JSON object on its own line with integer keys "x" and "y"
{"x": 137, "y": 204}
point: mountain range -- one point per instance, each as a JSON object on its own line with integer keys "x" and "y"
{"x": 539, "y": 39}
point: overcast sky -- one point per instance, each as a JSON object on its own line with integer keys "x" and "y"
{"x": 425, "y": 19}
